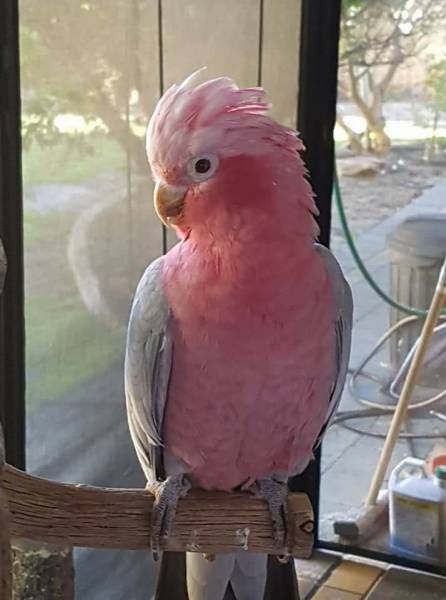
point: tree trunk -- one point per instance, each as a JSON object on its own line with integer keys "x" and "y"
{"x": 122, "y": 133}
{"x": 354, "y": 139}
{"x": 381, "y": 141}
{"x": 42, "y": 572}
{"x": 432, "y": 146}
{"x": 373, "y": 114}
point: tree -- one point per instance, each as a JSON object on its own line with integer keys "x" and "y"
{"x": 90, "y": 58}
{"x": 436, "y": 86}
{"x": 377, "y": 37}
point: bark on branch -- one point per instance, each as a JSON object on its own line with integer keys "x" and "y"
{"x": 211, "y": 522}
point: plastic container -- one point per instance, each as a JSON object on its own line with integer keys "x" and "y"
{"x": 417, "y": 512}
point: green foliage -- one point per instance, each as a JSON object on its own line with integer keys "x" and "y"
{"x": 66, "y": 160}
{"x": 349, "y": 7}
{"x": 85, "y": 57}
{"x": 382, "y": 32}
{"x": 436, "y": 85}
{"x": 377, "y": 37}
{"x": 58, "y": 359}
{"x": 39, "y": 227}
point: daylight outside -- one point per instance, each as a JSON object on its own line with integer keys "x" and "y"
{"x": 91, "y": 75}
{"x": 391, "y": 162}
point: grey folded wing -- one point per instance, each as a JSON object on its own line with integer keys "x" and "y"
{"x": 148, "y": 363}
{"x": 343, "y": 330}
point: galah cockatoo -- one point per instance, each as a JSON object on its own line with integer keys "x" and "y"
{"x": 239, "y": 337}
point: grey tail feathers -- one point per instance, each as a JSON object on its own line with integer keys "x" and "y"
{"x": 281, "y": 583}
{"x": 208, "y": 580}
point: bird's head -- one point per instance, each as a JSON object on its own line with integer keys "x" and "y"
{"x": 217, "y": 157}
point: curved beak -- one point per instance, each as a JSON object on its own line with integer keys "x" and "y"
{"x": 169, "y": 202}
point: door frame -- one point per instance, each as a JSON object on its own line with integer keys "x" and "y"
{"x": 12, "y": 328}
{"x": 316, "y": 110}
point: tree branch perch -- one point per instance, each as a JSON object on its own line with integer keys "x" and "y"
{"x": 211, "y": 522}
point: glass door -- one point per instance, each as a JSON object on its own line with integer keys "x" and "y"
{"x": 91, "y": 73}
{"x": 391, "y": 162}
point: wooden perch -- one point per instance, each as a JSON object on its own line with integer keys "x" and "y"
{"x": 212, "y": 522}
{"x": 77, "y": 515}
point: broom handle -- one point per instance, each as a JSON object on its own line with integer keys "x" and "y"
{"x": 436, "y": 306}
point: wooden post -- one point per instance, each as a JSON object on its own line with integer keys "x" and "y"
{"x": 41, "y": 571}
{"x": 5, "y": 539}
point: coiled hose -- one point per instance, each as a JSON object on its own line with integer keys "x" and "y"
{"x": 375, "y": 409}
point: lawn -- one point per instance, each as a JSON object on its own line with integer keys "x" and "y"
{"x": 71, "y": 162}
{"x": 65, "y": 344}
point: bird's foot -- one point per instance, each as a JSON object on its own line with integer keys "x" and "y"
{"x": 275, "y": 493}
{"x": 167, "y": 493}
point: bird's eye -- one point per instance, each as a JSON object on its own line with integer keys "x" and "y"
{"x": 202, "y": 167}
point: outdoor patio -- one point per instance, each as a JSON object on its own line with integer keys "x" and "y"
{"x": 330, "y": 576}
{"x": 348, "y": 458}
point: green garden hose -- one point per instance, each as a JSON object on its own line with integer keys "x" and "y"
{"x": 410, "y": 310}
{"x": 374, "y": 409}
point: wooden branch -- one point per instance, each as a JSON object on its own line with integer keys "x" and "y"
{"x": 356, "y": 96}
{"x": 211, "y": 522}
{"x": 353, "y": 137}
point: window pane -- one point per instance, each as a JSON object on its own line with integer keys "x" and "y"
{"x": 390, "y": 140}
{"x": 91, "y": 75}
{"x": 90, "y": 78}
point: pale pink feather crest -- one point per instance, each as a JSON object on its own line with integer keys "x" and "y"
{"x": 211, "y": 116}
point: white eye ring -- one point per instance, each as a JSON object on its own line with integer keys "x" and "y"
{"x": 202, "y": 167}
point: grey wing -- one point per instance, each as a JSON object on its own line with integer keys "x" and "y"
{"x": 148, "y": 362}
{"x": 343, "y": 330}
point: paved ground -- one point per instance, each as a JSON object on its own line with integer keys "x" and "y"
{"x": 402, "y": 176}
{"x": 330, "y": 576}
{"x": 348, "y": 459}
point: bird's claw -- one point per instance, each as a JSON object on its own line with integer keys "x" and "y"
{"x": 275, "y": 493}
{"x": 167, "y": 493}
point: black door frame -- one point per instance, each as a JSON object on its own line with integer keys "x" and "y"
{"x": 316, "y": 114}
{"x": 12, "y": 331}
{"x": 316, "y": 109}
{"x": 316, "y": 119}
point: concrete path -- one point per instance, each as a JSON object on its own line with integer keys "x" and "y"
{"x": 329, "y": 576}
{"x": 349, "y": 459}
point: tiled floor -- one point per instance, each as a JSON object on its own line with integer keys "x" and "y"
{"x": 349, "y": 458}
{"x": 329, "y": 576}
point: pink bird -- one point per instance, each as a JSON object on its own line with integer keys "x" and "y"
{"x": 239, "y": 337}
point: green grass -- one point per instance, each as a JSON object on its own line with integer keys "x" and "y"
{"x": 65, "y": 346}
{"x": 66, "y": 162}
{"x": 43, "y": 227}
